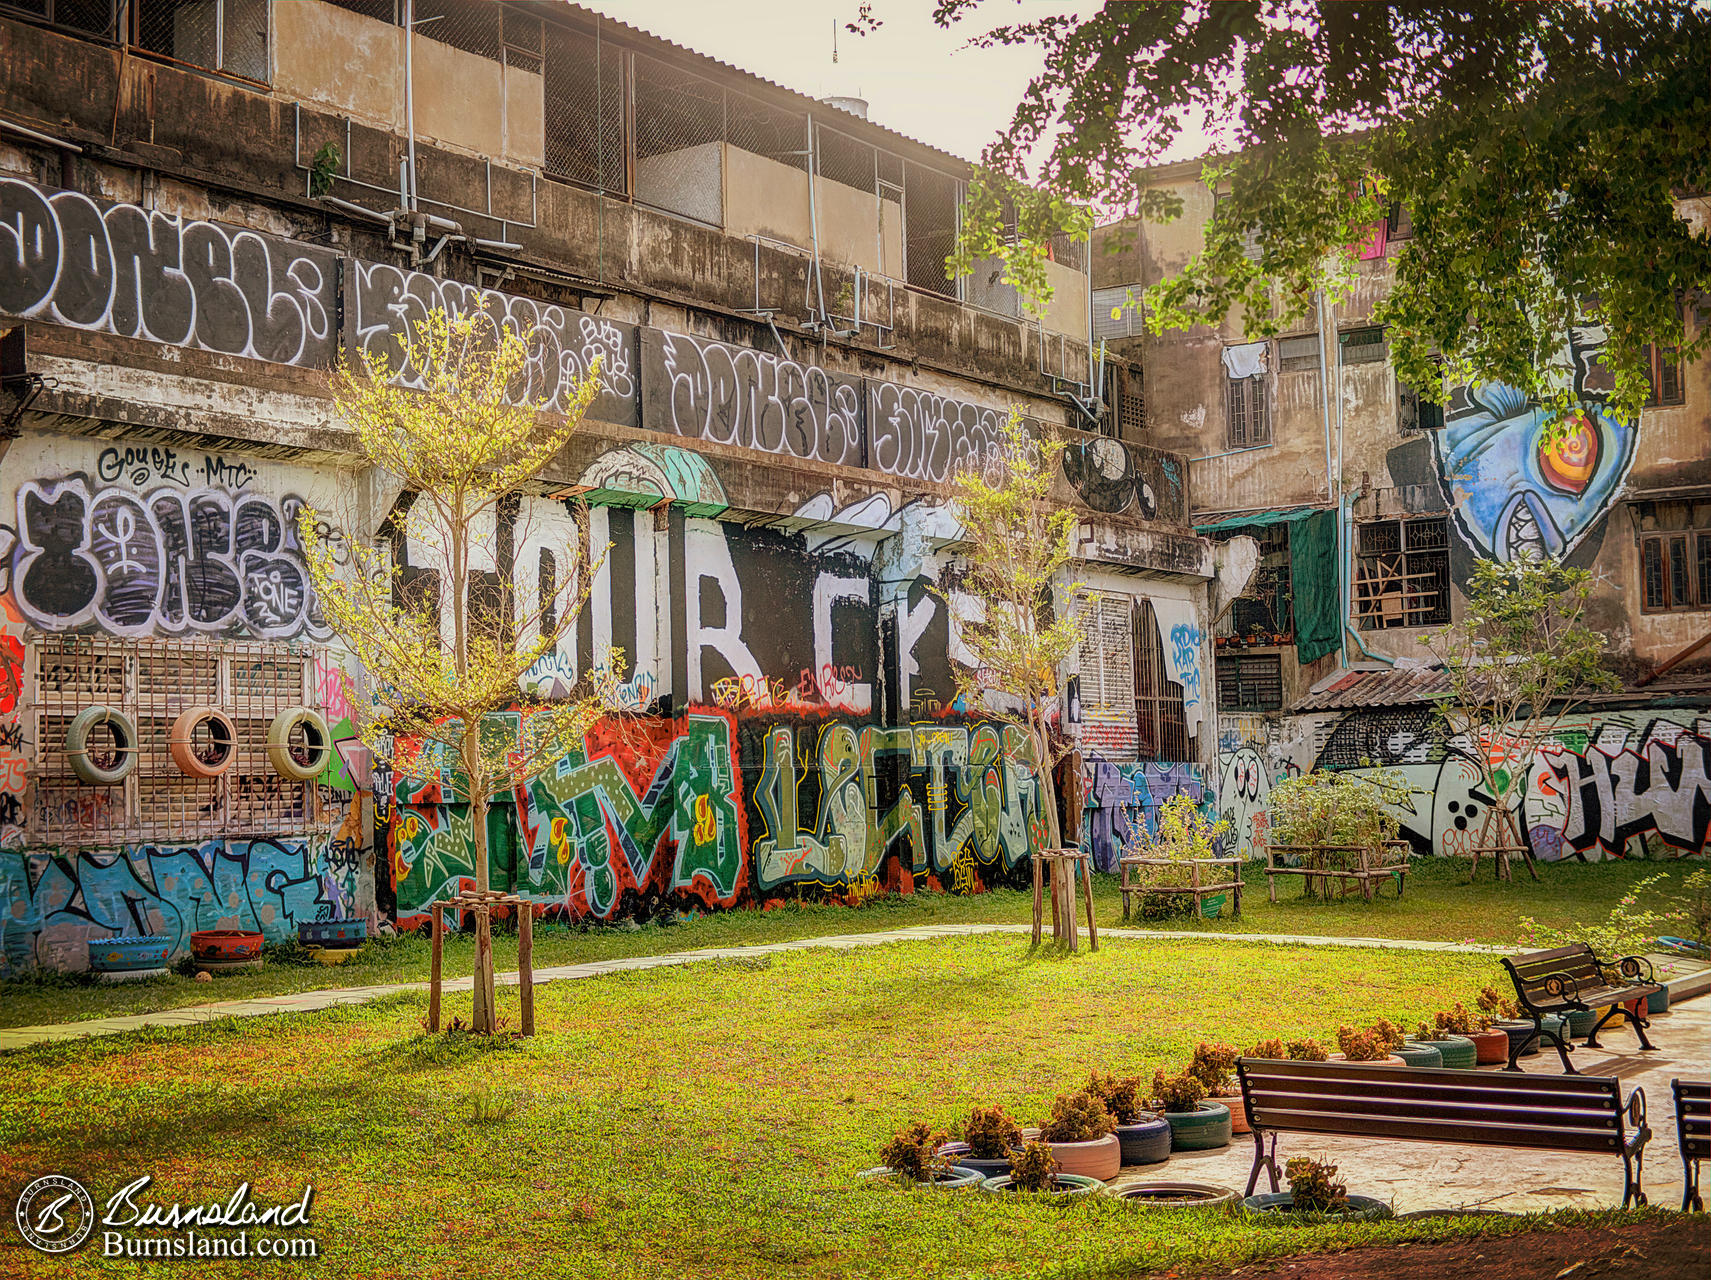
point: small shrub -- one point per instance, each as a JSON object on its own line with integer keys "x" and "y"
{"x": 913, "y": 1153}
{"x": 1267, "y": 1049}
{"x": 1077, "y": 1117}
{"x": 1696, "y": 911}
{"x": 1391, "y": 1036}
{"x": 1181, "y": 1092}
{"x": 1312, "y": 1184}
{"x": 1453, "y": 1022}
{"x": 1033, "y": 1168}
{"x": 1360, "y": 1046}
{"x": 490, "y": 1106}
{"x": 1180, "y": 834}
{"x": 1339, "y": 808}
{"x": 1212, "y": 1065}
{"x": 1121, "y": 1096}
{"x": 1493, "y": 1005}
{"x": 991, "y": 1132}
{"x": 1308, "y": 1050}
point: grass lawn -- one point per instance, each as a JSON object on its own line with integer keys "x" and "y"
{"x": 1439, "y": 905}
{"x": 695, "y": 1122}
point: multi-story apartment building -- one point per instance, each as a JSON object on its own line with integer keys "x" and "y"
{"x": 202, "y": 201}
{"x": 1370, "y": 505}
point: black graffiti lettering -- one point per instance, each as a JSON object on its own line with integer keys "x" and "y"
{"x": 84, "y": 290}
{"x": 152, "y": 297}
{"x": 29, "y": 248}
{"x": 56, "y": 571}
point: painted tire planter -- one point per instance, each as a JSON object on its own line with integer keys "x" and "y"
{"x": 1581, "y": 1022}
{"x": 333, "y": 933}
{"x": 1490, "y": 1046}
{"x": 955, "y": 1180}
{"x": 958, "y": 1154}
{"x": 105, "y": 766}
{"x": 1238, "y": 1112}
{"x": 1279, "y": 1206}
{"x": 1418, "y": 1055}
{"x": 1521, "y": 1032}
{"x": 1457, "y": 1052}
{"x": 1658, "y": 1001}
{"x": 1206, "y": 1128}
{"x": 1145, "y": 1142}
{"x": 1101, "y": 1159}
{"x": 1177, "y": 1195}
{"x": 1389, "y": 1060}
{"x": 304, "y": 763}
{"x": 333, "y": 955}
{"x": 1068, "y": 1185}
{"x": 126, "y": 955}
{"x": 225, "y": 946}
{"x": 220, "y": 752}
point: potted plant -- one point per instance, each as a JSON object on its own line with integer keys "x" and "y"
{"x": 1033, "y": 1168}
{"x": 1506, "y": 1016}
{"x": 1308, "y": 1050}
{"x": 1397, "y": 1045}
{"x": 912, "y": 1157}
{"x": 1314, "y": 1193}
{"x": 225, "y": 946}
{"x": 988, "y": 1137}
{"x": 1143, "y": 1136}
{"x": 1214, "y": 1066}
{"x": 1080, "y": 1137}
{"x": 1450, "y": 1033}
{"x": 1195, "y": 1123}
{"x": 1364, "y": 1046}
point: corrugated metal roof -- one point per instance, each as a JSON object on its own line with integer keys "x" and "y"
{"x": 844, "y": 120}
{"x": 1393, "y": 687}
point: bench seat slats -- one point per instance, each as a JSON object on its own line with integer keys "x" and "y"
{"x": 1494, "y": 1134}
{"x": 1384, "y": 1109}
{"x": 1268, "y": 1073}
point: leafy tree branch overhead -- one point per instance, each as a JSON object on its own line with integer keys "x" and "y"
{"x": 1552, "y": 158}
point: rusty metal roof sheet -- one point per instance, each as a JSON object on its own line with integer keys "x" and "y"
{"x": 1392, "y": 687}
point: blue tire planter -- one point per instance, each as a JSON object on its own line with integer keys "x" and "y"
{"x": 1206, "y": 1128}
{"x": 958, "y": 1154}
{"x": 1147, "y": 1142}
{"x": 125, "y": 955}
{"x": 333, "y": 933}
{"x": 1581, "y": 1022}
{"x": 1279, "y": 1206}
{"x": 1419, "y": 1055}
{"x": 956, "y": 1179}
{"x": 1068, "y": 1184}
{"x": 1458, "y": 1052}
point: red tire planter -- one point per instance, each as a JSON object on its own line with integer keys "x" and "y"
{"x": 225, "y": 945}
{"x": 1490, "y": 1046}
{"x": 220, "y": 753}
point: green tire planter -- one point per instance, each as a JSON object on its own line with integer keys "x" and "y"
{"x": 1068, "y": 1184}
{"x": 1419, "y": 1055}
{"x": 1206, "y": 1128}
{"x": 1581, "y": 1022}
{"x": 1658, "y": 1001}
{"x": 954, "y": 1179}
{"x": 1177, "y": 1195}
{"x": 1279, "y": 1207}
{"x": 1458, "y": 1052}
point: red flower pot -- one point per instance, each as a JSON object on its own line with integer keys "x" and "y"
{"x": 1490, "y": 1046}
{"x": 225, "y": 945}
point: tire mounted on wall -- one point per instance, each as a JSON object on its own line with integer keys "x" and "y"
{"x": 124, "y": 732}
{"x": 315, "y": 738}
{"x": 221, "y": 731}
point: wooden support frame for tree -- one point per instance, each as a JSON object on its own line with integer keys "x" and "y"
{"x": 1060, "y": 867}
{"x": 481, "y": 904}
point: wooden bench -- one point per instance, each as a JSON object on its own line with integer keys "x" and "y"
{"x": 1693, "y": 1128}
{"x": 1572, "y": 979}
{"x": 1481, "y": 1108}
{"x": 1201, "y": 891}
{"x": 1321, "y": 863}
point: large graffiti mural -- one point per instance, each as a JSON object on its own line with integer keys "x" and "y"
{"x": 1117, "y": 796}
{"x": 1608, "y": 785}
{"x": 1517, "y": 487}
{"x": 705, "y": 811}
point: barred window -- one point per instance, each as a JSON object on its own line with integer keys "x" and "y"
{"x": 1250, "y": 682}
{"x": 1249, "y": 412}
{"x": 1364, "y": 346}
{"x": 1675, "y": 571}
{"x": 228, "y": 36}
{"x": 1299, "y": 354}
{"x": 583, "y": 98}
{"x": 80, "y": 17}
{"x": 1402, "y": 575}
{"x": 1105, "y": 664}
{"x": 1125, "y": 401}
{"x": 1161, "y": 720}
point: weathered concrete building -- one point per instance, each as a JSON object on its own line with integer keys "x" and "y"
{"x": 1369, "y": 507}
{"x": 202, "y": 200}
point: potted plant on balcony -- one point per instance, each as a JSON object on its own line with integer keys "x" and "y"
{"x": 912, "y": 1157}
{"x": 1315, "y": 1194}
{"x": 1195, "y": 1123}
{"x": 1214, "y": 1066}
{"x": 1033, "y": 1168}
{"x": 1142, "y": 1136}
{"x": 1081, "y": 1138}
{"x": 989, "y": 1136}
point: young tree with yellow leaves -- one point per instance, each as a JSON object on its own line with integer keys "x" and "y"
{"x": 443, "y": 414}
{"x": 1016, "y": 542}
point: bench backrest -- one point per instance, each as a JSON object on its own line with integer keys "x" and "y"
{"x": 1533, "y": 970}
{"x": 1561, "y": 1113}
{"x": 1693, "y": 1116}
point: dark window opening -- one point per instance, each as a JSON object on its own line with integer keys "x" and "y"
{"x": 1160, "y": 718}
{"x": 1249, "y": 412}
{"x": 1298, "y": 355}
{"x": 1250, "y": 682}
{"x": 1402, "y": 575}
{"x": 1364, "y": 346}
{"x": 1675, "y": 572}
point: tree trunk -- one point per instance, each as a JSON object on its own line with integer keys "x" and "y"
{"x": 1061, "y": 924}
{"x": 483, "y": 1018}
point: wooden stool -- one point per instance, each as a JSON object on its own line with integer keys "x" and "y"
{"x": 1063, "y": 864}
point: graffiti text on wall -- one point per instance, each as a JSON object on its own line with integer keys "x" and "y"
{"x": 138, "y": 274}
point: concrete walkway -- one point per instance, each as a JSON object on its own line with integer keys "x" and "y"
{"x": 307, "y": 1001}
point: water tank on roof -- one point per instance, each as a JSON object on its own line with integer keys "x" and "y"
{"x": 855, "y": 106}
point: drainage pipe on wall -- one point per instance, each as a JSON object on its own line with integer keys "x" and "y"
{"x": 410, "y": 97}
{"x": 1346, "y": 537}
{"x": 1323, "y": 312}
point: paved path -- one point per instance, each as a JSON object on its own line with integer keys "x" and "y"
{"x": 306, "y": 1001}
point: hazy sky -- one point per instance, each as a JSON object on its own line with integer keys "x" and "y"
{"x": 920, "y": 80}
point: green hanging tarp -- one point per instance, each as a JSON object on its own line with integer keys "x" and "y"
{"x": 1313, "y": 577}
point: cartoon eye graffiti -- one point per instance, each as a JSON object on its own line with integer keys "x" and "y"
{"x": 1567, "y": 463}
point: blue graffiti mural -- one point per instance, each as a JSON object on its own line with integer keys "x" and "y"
{"x": 1115, "y": 796}
{"x": 57, "y": 901}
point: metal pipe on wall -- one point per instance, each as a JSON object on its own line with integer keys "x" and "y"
{"x": 410, "y": 97}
